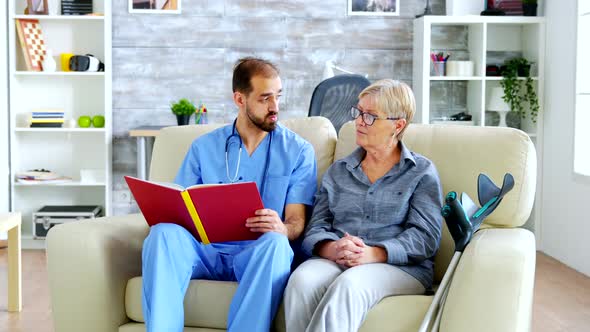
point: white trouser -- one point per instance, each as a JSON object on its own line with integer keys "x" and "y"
{"x": 324, "y": 296}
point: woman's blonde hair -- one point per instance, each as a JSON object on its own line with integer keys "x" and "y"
{"x": 394, "y": 98}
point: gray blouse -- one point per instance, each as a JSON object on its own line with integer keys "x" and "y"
{"x": 400, "y": 212}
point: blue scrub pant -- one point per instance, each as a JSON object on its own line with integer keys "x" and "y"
{"x": 172, "y": 257}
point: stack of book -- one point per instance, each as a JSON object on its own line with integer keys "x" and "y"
{"x": 76, "y": 7}
{"x": 41, "y": 176}
{"x": 510, "y": 7}
{"x": 47, "y": 119}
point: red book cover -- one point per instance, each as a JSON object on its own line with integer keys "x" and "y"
{"x": 222, "y": 209}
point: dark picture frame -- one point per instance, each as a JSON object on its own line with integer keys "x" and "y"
{"x": 373, "y": 7}
{"x": 155, "y": 6}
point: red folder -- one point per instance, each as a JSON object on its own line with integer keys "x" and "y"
{"x": 211, "y": 213}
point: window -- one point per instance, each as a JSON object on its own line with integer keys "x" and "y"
{"x": 582, "y": 98}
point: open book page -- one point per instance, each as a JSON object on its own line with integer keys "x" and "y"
{"x": 168, "y": 185}
{"x": 209, "y": 185}
{"x": 181, "y": 188}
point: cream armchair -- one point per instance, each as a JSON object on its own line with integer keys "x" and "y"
{"x": 95, "y": 266}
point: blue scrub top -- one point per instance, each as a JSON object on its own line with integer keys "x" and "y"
{"x": 292, "y": 168}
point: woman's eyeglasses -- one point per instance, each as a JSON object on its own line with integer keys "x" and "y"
{"x": 368, "y": 118}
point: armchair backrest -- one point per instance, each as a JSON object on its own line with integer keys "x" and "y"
{"x": 460, "y": 154}
{"x": 171, "y": 146}
{"x": 172, "y": 143}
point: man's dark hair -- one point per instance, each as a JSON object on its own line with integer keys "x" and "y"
{"x": 248, "y": 67}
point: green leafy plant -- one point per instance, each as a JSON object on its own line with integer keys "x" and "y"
{"x": 518, "y": 92}
{"x": 531, "y": 2}
{"x": 183, "y": 107}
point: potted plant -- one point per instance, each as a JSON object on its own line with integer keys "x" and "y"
{"x": 529, "y": 7}
{"x": 518, "y": 91}
{"x": 183, "y": 109}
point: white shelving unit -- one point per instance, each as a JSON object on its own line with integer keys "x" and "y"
{"x": 63, "y": 150}
{"x": 488, "y": 39}
{"x": 4, "y": 184}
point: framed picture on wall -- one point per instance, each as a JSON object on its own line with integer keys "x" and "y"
{"x": 373, "y": 7}
{"x": 37, "y": 7}
{"x": 154, "y": 6}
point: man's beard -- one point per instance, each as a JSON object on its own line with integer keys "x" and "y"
{"x": 260, "y": 122}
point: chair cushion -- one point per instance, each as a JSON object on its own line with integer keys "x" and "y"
{"x": 206, "y": 302}
{"x": 139, "y": 327}
{"x": 206, "y": 305}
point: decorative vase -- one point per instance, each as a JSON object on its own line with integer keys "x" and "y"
{"x": 183, "y": 119}
{"x": 529, "y": 9}
{"x": 48, "y": 63}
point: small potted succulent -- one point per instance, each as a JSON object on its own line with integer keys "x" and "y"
{"x": 183, "y": 109}
{"x": 529, "y": 7}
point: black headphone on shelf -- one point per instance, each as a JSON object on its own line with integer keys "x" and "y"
{"x": 86, "y": 62}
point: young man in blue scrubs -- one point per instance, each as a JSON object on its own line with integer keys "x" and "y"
{"x": 255, "y": 147}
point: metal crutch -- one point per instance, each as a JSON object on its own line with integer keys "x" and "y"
{"x": 462, "y": 229}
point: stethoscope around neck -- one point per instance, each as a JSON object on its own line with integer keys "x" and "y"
{"x": 234, "y": 179}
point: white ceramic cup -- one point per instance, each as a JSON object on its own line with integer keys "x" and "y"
{"x": 91, "y": 175}
{"x": 459, "y": 68}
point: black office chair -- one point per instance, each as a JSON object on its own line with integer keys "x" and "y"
{"x": 333, "y": 97}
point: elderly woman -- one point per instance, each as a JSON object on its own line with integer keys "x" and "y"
{"x": 376, "y": 223}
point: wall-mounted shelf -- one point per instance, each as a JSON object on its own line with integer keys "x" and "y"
{"x": 65, "y": 184}
{"x": 60, "y": 17}
{"x": 60, "y": 130}
{"x": 59, "y": 73}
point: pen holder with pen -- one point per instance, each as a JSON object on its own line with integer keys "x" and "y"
{"x": 201, "y": 114}
{"x": 437, "y": 68}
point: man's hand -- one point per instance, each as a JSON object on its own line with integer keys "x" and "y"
{"x": 266, "y": 220}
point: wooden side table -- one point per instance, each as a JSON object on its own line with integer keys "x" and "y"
{"x": 11, "y": 223}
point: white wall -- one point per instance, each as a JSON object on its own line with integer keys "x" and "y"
{"x": 4, "y": 186}
{"x": 565, "y": 232}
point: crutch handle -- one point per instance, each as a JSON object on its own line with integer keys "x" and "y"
{"x": 458, "y": 223}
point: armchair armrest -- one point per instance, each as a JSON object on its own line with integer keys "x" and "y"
{"x": 492, "y": 289}
{"x": 89, "y": 263}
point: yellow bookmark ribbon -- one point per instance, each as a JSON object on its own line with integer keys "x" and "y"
{"x": 195, "y": 216}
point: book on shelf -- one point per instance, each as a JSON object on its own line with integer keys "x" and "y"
{"x": 38, "y": 174}
{"x": 41, "y": 176}
{"x": 30, "y": 37}
{"x": 61, "y": 180}
{"x": 46, "y": 119}
{"x": 76, "y": 7}
{"x": 47, "y": 114}
{"x": 46, "y": 125}
{"x": 211, "y": 213}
